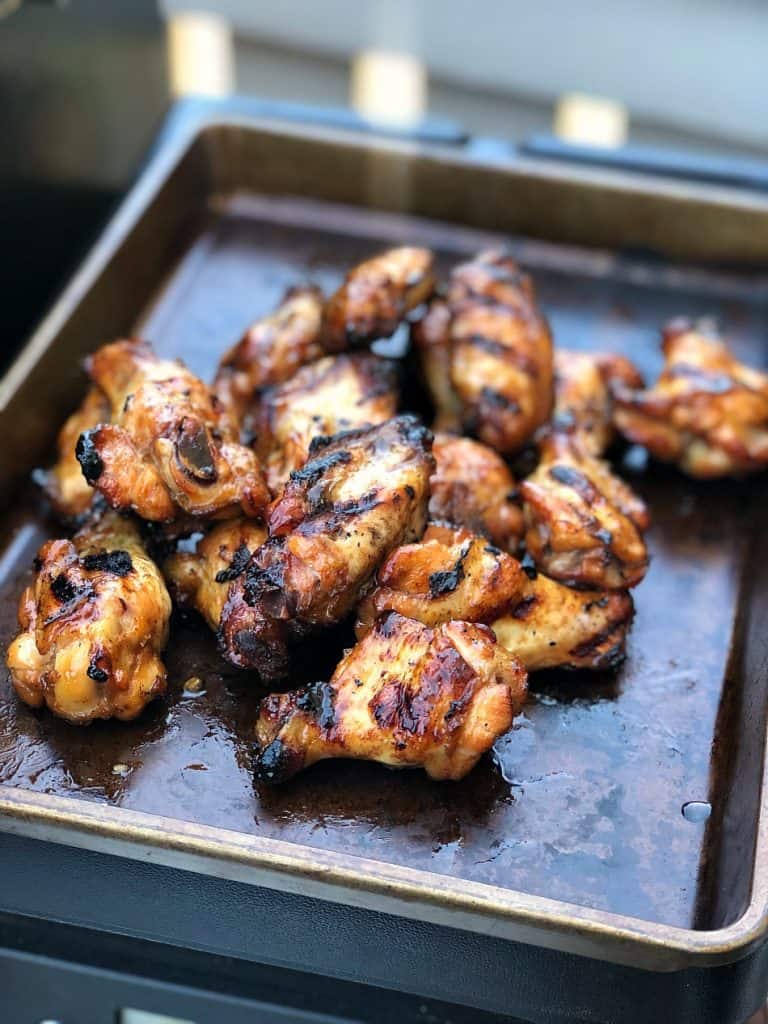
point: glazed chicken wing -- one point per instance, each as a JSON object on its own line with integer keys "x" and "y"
{"x": 359, "y": 495}
{"x": 501, "y": 352}
{"x": 334, "y": 394}
{"x": 473, "y": 487}
{"x": 201, "y": 579}
{"x": 708, "y": 413}
{"x": 68, "y": 490}
{"x": 583, "y": 524}
{"x": 406, "y": 696}
{"x": 431, "y": 337}
{"x": 271, "y": 350}
{"x": 94, "y": 623}
{"x": 454, "y": 574}
{"x": 168, "y": 451}
{"x": 583, "y": 396}
{"x": 376, "y": 295}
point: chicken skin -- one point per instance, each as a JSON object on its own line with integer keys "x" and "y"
{"x": 360, "y": 495}
{"x": 431, "y": 337}
{"x": 501, "y": 352}
{"x": 473, "y": 487}
{"x": 707, "y": 413}
{"x": 201, "y": 579}
{"x": 454, "y": 574}
{"x": 334, "y": 394}
{"x": 67, "y": 489}
{"x": 94, "y": 624}
{"x": 376, "y": 295}
{"x": 169, "y": 450}
{"x": 583, "y": 524}
{"x": 583, "y": 400}
{"x": 406, "y": 696}
{"x": 271, "y": 350}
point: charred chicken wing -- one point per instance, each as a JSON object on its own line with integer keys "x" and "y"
{"x": 473, "y": 487}
{"x": 406, "y": 696}
{"x": 708, "y": 413}
{"x": 94, "y": 623}
{"x": 376, "y": 295}
{"x": 271, "y": 350}
{"x": 336, "y": 393}
{"x": 169, "y": 450}
{"x": 359, "y": 496}
{"x": 501, "y": 352}
{"x": 583, "y": 524}
{"x": 431, "y": 338}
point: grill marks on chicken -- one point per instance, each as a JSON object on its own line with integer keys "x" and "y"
{"x": 359, "y": 496}
{"x": 407, "y": 696}
{"x": 545, "y": 624}
{"x": 333, "y": 394}
{"x": 707, "y": 413}
{"x": 271, "y": 350}
{"x": 376, "y": 295}
{"x": 169, "y": 449}
{"x": 473, "y": 487}
{"x": 94, "y": 623}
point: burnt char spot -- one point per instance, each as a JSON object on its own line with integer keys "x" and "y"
{"x": 322, "y": 441}
{"x": 99, "y": 666}
{"x": 446, "y": 581}
{"x": 63, "y": 589}
{"x": 495, "y": 400}
{"x": 412, "y": 430}
{"x": 236, "y": 567}
{"x": 319, "y": 699}
{"x": 119, "y": 563}
{"x": 594, "y": 643}
{"x": 193, "y": 451}
{"x": 491, "y": 549}
{"x": 571, "y": 477}
{"x": 528, "y": 566}
{"x": 88, "y": 456}
{"x": 410, "y": 491}
{"x": 312, "y": 471}
{"x": 524, "y": 608}
{"x": 276, "y": 763}
{"x": 262, "y": 579}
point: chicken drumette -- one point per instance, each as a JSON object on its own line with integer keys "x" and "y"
{"x": 708, "y": 413}
{"x": 583, "y": 396}
{"x": 359, "y": 495}
{"x": 271, "y": 350}
{"x": 169, "y": 449}
{"x": 406, "y": 695}
{"x": 94, "y": 623}
{"x": 454, "y": 574}
{"x": 376, "y": 295}
{"x": 333, "y": 394}
{"x": 473, "y": 487}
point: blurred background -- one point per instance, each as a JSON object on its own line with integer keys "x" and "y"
{"x": 85, "y": 86}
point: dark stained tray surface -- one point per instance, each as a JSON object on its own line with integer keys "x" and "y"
{"x": 583, "y": 801}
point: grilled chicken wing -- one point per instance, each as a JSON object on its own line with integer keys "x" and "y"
{"x": 93, "y": 625}
{"x": 376, "y": 295}
{"x": 407, "y": 696}
{"x": 334, "y": 394}
{"x": 201, "y": 580}
{"x": 68, "y": 490}
{"x": 583, "y": 402}
{"x": 431, "y": 338}
{"x": 271, "y": 350}
{"x": 708, "y": 413}
{"x": 454, "y": 574}
{"x": 583, "y": 524}
{"x": 501, "y": 352}
{"x": 473, "y": 487}
{"x": 359, "y": 495}
{"x": 168, "y": 450}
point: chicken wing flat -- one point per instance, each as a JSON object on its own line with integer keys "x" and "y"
{"x": 473, "y": 487}
{"x": 707, "y": 413}
{"x": 454, "y": 574}
{"x": 201, "y": 579}
{"x": 406, "y": 696}
{"x": 333, "y": 394}
{"x": 501, "y": 352}
{"x": 271, "y": 350}
{"x": 169, "y": 450}
{"x": 67, "y": 489}
{"x": 431, "y": 337}
{"x": 583, "y": 524}
{"x": 583, "y": 396}
{"x": 376, "y": 295}
{"x": 94, "y": 623}
{"x": 358, "y": 497}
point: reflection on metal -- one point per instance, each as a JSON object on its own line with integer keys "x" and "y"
{"x": 143, "y": 1017}
{"x": 388, "y": 88}
{"x": 591, "y": 120}
{"x": 200, "y": 55}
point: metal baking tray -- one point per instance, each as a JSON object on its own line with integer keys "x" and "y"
{"x": 572, "y": 837}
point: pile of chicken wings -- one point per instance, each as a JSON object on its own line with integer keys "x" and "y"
{"x": 315, "y": 500}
